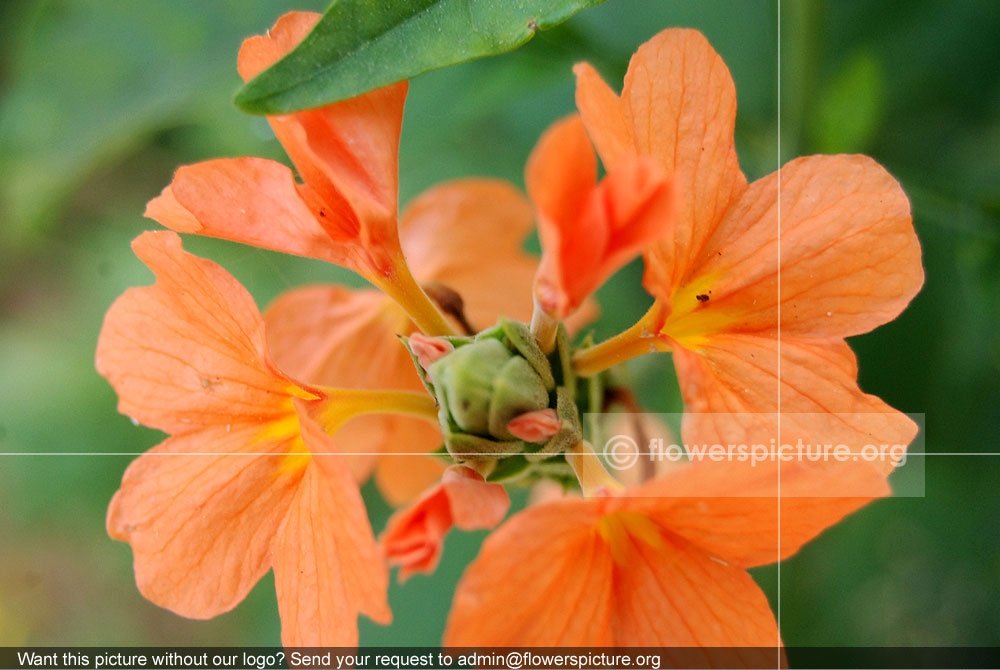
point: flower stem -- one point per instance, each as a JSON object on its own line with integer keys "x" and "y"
{"x": 544, "y": 328}
{"x": 643, "y": 337}
{"x": 340, "y": 405}
{"x": 593, "y": 477}
{"x": 404, "y": 289}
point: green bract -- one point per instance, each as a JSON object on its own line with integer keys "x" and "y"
{"x": 490, "y": 379}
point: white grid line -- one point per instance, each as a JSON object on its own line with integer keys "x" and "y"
{"x": 778, "y": 605}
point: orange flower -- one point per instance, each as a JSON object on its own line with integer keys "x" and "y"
{"x": 662, "y": 565}
{"x": 755, "y": 314}
{"x": 465, "y": 235}
{"x": 590, "y": 230}
{"x": 344, "y": 212}
{"x": 248, "y": 479}
{"x": 414, "y": 537}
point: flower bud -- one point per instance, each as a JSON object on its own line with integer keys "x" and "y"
{"x": 483, "y": 385}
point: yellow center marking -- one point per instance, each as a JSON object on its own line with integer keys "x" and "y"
{"x": 620, "y": 528}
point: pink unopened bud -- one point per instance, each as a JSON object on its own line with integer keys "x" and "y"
{"x": 535, "y": 426}
{"x": 429, "y": 349}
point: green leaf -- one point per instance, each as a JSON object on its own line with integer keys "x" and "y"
{"x": 360, "y": 45}
{"x": 850, "y": 107}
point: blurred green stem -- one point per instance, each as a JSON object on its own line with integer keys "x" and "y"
{"x": 801, "y": 44}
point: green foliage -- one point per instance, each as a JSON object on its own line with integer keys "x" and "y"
{"x": 360, "y": 45}
{"x": 87, "y": 83}
{"x": 849, "y": 110}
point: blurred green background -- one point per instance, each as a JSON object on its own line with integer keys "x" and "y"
{"x": 103, "y": 99}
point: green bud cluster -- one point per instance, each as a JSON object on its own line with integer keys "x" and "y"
{"x": 492, "y": 378}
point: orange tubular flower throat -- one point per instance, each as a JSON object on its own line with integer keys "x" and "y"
{"x": 249, "y": 478}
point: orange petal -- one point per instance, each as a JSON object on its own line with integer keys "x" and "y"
{"x": 399, "y": 476}
{"x": 189, "y": 351}
{"x": 604, "y": 115}
{"x": 588, "y": 231}
{"x": 849, "y": 257}
{"x": 256, "y": 201}
{"x": 165, "y": 210}
{"x": 346, "y": 152}
{"x": 414, "y": 537}
{"x": 327, "y": 566}
{"x": 333, "y": 336}
{"x": 730, "y": 509}
{"x": 541, "y": 579}
{"x": 674, "y": 595}
{"x": 731, "y": 385}
{"x": 638, "y": 584}
{"x": 561, "y": 174}
{"x": 468, "y": 234}
{"x": 201, "y": 525}
{"x": 261, "y": 51}
{"x": 678, "y": 106}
